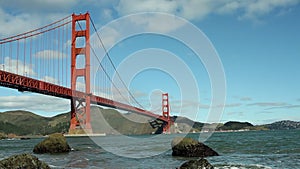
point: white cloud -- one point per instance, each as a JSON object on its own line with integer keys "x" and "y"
{"x": 34, "y": 102}
{"x": 16, "y": 24}
{"x": 80, "y": 86}
{"x": 230, "y": 105}
{"x": 10, "y": 24}
{"x": 50, "y": 54}
{"x": 197, "y": 10}
{"x": 268, "y": 104}
{"x": 108, "y": 36}
{"x": 127, "y": 7}
{"x": 193, "y": 9}
{"x": 262, "y": 7}
{"x": 37, "y": 6}
{"x": 18, "y": 67}
{"x": 156, "y": 23}
{"x": 21, "y": 16}
{"x": 107, "y": 14}
{"x": 126, "y": 27}
{"x": 229, "y": 7}
{"x": 50, "y": 79}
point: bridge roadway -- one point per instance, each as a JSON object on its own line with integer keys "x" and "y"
{"x": 23, "y": 83}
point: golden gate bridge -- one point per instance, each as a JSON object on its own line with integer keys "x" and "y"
{"x": 52, "y": 60}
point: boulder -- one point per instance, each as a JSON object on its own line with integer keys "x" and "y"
{"x": 23, "y": 161}
{"x": 188, "y": 147}
{"x": 55, "y": 143}
{"x": 196, "y": 164}
{"x": 3, "y": 136}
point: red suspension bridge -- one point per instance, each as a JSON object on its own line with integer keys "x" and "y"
{"x": 56, "y": 60}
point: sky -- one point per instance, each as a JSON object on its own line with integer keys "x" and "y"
{"x": 256, "y": 43}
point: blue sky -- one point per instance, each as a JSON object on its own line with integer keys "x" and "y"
{"x": 258, "y": 43}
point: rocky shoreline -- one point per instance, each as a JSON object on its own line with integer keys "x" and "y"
{"x": 53, "y": 144}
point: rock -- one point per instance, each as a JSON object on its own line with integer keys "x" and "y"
{"x": 196, "y": 164}
{"x": 55, "y": 143}
{"x": 23, "y": 161}
{"x": 188, "y": 147}
{"x": 3, "y": 136}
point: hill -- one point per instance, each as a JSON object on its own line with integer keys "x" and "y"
{"x": 26, "y": 123}
{"x": 187, "y": 125}
{"x": 107, "y": 121}
{"x": 234, "y": 125}
{"x": 283, "y": 125}
{"x": 110, "y": 121}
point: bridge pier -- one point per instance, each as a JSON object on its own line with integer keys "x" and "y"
{"x": 166, "y": 113}
{"x": 80, "y": 118}
{"x": 80, "y": 107}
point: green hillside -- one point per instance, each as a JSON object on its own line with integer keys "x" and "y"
{"x": 26, "y": 123}
{"x": 107, "y": 121}
{"x": 111, "y": 121}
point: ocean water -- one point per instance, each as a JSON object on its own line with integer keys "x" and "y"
{"x": 238, "y": 150}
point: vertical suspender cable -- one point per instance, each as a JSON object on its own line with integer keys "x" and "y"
{"x": 18, "y": 56}
{"x": 44, "y": 55}
{"x": 47, "y": 48}
{"x": 36, "y": 58}
{"x": 9, "y": 56}
{"x": 62, "y": 61}
{"x": 30, "y": 60}
{"x": 48, "y": 54}
{"x": 41, "y": 57}
{"x": 68, "y": 68}
{"x": 4, "y": 46}
{"x": 1, "y": 47}
{"x": 52, "y": 56}
{"x": 58, "y": 53}
{"x": 24, "y": 64}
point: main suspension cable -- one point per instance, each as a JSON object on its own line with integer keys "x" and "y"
{"x": 110, "y": 60}
{"x": 102, "y": 67}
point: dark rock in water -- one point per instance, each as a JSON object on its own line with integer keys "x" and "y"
{"x": 188, "y": 147}
{"x": 24, "y": 138}
{"x": 23, "y": 161}
{"x": 55, "y": 143}
{"x": 196, "y": 164}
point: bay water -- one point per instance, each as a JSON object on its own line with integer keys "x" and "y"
{"x": 238, "y": 150}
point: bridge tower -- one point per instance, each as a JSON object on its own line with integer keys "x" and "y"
{"x": 80, "y": 107}
{"x": 166, "y": 112}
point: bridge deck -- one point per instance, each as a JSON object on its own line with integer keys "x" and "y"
{"x": 23, "y": 83}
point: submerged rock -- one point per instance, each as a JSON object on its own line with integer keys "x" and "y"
{"x": 188, "y": 147}
{"x": 196, "y": 164}
{"x": 55, "y": 143}
{"x": 23, "y": 161}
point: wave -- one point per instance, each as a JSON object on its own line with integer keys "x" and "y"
{"x": 241, "y": 166}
